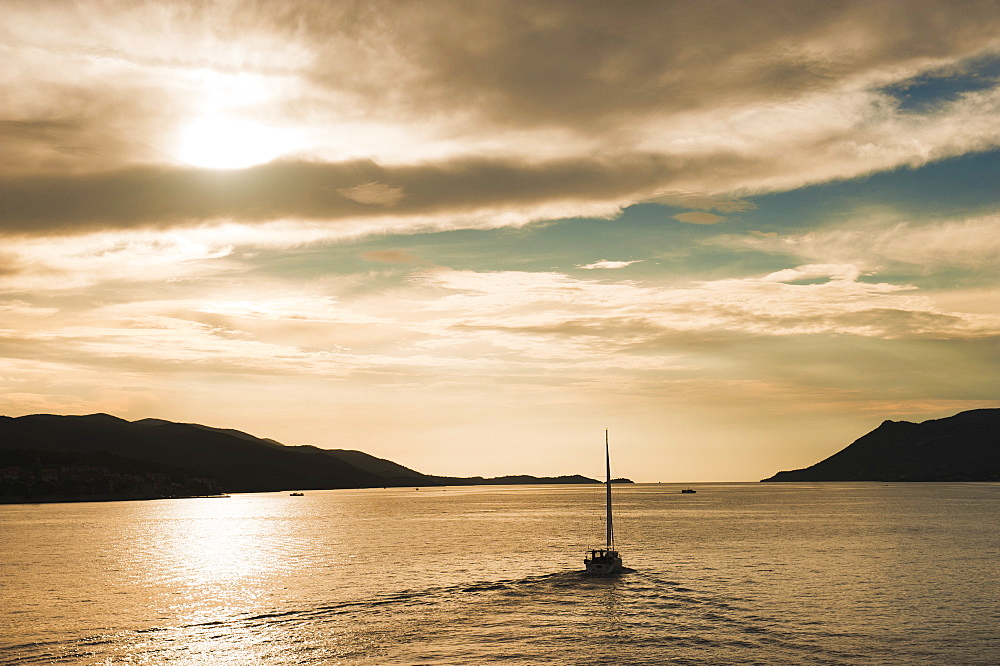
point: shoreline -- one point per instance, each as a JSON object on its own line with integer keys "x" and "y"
{"x": 72, "y": 499}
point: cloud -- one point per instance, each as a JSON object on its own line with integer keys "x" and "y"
{"x": 886, "y": 241}
{"x": 702, "y": 200}
{"x": 698, "y": 217}
{"x": 43, "y": 264}
{"x": 504, "y": 64}
{"x": 373, "y": 193}
{"x": 819, "y": 272}
{"x": 833, "y": 300}
{"x": 508, "y": 323}
{"x": 18, "y": 308}
{"x": 153, "y": 196}
{"x": 607, "y": 264}
{"x": 588, "y": 64}
{"x": 287, "y": 308}
{"x": 390, "y": 257}
{"x": 163, "y": 343}
{"x": 493, "y": 109}
{"x": 147, "y": 196}
{"x": 131, "y": 340}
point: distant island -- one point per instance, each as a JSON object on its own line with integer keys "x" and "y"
{"x": 45, "y": 457}
{"x": 964, "y": 447}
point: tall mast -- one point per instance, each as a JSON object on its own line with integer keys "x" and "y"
{"x": 607, "y": 460}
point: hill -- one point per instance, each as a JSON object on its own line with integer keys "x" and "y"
{"x": 102, "y": 454}
{"x": 964, "y": 447}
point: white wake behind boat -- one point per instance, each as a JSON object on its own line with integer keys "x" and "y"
{"x": 605, "y": 561}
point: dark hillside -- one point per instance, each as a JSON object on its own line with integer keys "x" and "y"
{"x": 172, "y": 456}
{"x": 239, "y": 462}
{"x": 964, "y": 447}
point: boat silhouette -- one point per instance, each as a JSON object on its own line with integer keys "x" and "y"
{"x": 607, "y": 560}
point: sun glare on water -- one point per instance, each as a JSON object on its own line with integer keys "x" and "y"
{"x": 221, "y": 143}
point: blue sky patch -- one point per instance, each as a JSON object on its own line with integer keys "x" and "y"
{"x": 927, "y": 91}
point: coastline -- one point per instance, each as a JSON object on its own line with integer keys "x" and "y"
{"x": 102, "y": 497}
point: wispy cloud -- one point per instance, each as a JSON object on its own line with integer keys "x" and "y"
{"x": 373, "y": 193}
{"x": 390, "y": 257}
{"x": 528, "y": 318}
{"x": 804, "y": 301}
{"x": 699, "y": 217}
{"x": 63, "y": 263}
{"x": 887, "y": 241}
{"x": 608, "y": 264}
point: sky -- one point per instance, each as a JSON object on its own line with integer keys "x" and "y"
{"x": 471, "y": 236}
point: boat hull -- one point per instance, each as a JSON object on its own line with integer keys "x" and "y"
{"x": 603, "y": 562}
{"x": 604, "y": 569}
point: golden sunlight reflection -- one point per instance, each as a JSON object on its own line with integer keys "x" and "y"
{"x": 217, "y": 142}
{"x": 222, "y": 554}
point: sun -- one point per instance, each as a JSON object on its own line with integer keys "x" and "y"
{"x": 224, "y": 143}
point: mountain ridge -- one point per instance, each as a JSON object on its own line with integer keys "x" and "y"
{"x": 962, "y": 447}
{"x": 183, "y": 456}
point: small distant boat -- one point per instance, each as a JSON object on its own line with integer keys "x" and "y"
{"x": 688, "y": 490}
{"x": 605, "y": 561}
{"x": 296, "y": 494}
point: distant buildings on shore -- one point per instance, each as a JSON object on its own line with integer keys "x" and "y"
{"x": 70, "y": 481}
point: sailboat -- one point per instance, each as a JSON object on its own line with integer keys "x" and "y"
{"x": 605, "y": 561}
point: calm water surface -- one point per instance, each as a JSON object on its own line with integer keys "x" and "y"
{"x": 737, "y": 573}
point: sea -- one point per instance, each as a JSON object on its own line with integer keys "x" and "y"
{"x": 736, "y": 573}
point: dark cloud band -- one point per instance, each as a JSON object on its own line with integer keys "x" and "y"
{"x": 158, "y": 196}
